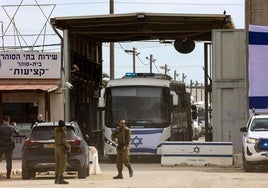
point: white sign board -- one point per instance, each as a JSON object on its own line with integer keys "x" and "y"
{"x": 197, "y": 153}
{"x": 36, "y": 65}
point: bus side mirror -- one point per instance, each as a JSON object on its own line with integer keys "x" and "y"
{"x": 175, "y": 101}
{"x": 101, "y": 103}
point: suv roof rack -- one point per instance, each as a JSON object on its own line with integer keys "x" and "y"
{"x": 259, "y": 113}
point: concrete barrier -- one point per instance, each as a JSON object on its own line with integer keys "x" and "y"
{"x": 94, "y": 167}
{"x": 197, "y": 153}
{"x": 19, "y": 141}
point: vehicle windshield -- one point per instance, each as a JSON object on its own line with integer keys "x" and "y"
{"x": 140, "y": 106}
{"x": 47, "y": 133}
{"x": 259, "y": 124}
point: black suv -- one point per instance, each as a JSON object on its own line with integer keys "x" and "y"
{"x": 38, "y": 150}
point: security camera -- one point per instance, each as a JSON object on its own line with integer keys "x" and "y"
{"x": 69, "y": 85}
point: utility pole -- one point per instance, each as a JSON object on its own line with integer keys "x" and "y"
{"x": 134, "y": 59}
{"x": 165, "y": 68}
{"x": 111, "y": 45}
{"x": 175, "y": 75}
{"x": 183, "y": 77}
{"x": 151, "y": 62}
{"x": 134, "y": 53}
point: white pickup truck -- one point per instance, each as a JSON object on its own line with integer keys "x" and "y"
{"x": 255, "y": 142}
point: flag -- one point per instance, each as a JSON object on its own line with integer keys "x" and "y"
{"x": 258, "y": 68}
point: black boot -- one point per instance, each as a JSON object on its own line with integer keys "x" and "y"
{"x": 62, "y": 181}
{"x": 119, "y": 175}
{"x": 56, "y": 180}
{"x": 8, "y": 174}
{"x": 130, "y": 171}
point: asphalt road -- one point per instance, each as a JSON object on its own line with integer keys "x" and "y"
{"x": 146, "y": 175}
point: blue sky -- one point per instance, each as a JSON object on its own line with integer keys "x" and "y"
{"x": 30, "y": 21}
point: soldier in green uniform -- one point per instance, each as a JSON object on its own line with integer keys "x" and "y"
{"x": 62, "y": 147}
{"x": 121, "y": 136}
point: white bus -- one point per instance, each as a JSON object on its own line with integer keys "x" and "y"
{"x": 152, "y": 104}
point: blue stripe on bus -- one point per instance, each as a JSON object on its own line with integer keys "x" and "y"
{"x": 195, "y": 155}
{"x": 146, "y": 131}
{"x": 143, "y": 150}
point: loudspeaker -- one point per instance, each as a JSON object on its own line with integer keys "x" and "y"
{"x": 184, "y": 45}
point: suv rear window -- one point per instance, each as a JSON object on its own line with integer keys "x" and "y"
{"x": 47, "y": 133}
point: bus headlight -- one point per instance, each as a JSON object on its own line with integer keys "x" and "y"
{"x": 109, "y": 142}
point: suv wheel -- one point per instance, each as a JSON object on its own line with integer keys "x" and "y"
{"x": 26, "y": 173}
{"x": 87, "y": 170}
{"x": 248, "y": 166}
{"x": 32, "y": 174}
{"x": 82, "y": 173}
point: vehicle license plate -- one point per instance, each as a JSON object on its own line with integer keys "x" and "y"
{"x": 49, "y": 145}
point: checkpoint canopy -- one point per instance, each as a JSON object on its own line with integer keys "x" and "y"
{"x": 144, "y": 26}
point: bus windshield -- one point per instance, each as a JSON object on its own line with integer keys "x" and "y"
{"x": 140, "y": 106}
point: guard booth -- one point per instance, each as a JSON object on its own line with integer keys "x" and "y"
{"x": 82, "y": 38}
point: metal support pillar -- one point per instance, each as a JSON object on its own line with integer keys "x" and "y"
{"x": 66, "y": 77}
{"x": 208, "y": 131}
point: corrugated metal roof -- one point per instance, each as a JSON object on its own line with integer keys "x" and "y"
{"x": 25, "y": 84}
